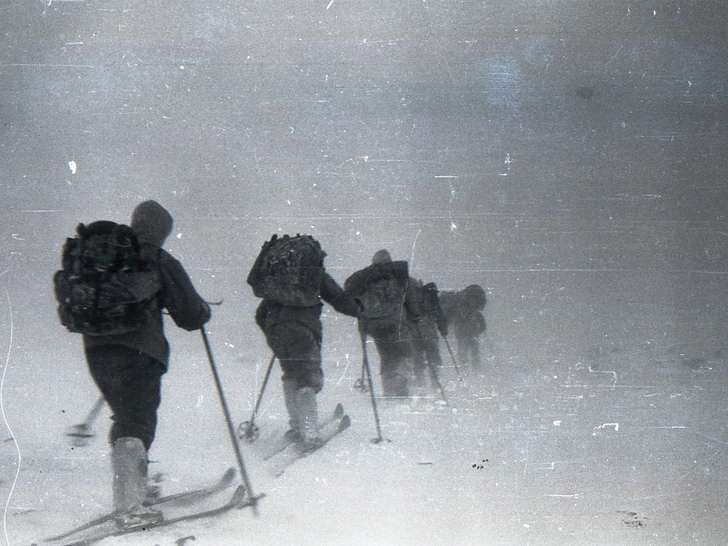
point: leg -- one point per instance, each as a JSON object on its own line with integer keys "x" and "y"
{"x": 462, "y": 349}
{"x": 299, "y": 353}
{"x": 475, "y": 353}
{"x": 395, "y": 353}
{"x": 419, "y": 361}
{"x": 130, "y": 382}
{"x": 434, "y": 360}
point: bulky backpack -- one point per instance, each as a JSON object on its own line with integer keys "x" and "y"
{"x": 289, "y": 271}
{"x": 474, "y": 297}
{"x": 105, "y": 287}
{"x": 381, "y": 290}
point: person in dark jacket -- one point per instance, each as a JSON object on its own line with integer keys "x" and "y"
{"x": 464, "y": 313}
{"x": 128, "y": 368}
{"x": 389, "y": 314}
{"x": 426, "y": 344}
{"x": 294, "y": 334}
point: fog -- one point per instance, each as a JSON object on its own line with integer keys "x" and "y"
{"x": 569, "y": 157}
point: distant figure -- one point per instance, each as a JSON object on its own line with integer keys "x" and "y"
{"x": 426, "y": 343}
{"x": 389, "y": 308}
{"x": 464, "y": 313}
{"x": 115, "y": 282}
{"x": 289, "y": 275}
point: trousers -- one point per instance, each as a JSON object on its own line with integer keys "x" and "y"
{"x": 130, "y": 382}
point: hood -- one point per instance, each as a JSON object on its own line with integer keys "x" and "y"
{"x": 151, "y": 223}
{"x": 381, "y": 257}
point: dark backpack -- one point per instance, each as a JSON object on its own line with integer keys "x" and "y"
{"x": 289, "y": 271}
{"x": 449, "y": 303}
{"x": 105, "y": 287}
{"x": 381, "y": 289}
{"x": 474, "y": 297}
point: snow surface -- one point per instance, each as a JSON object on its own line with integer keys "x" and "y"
{"x": 623, "y": 447}
{"x": 568, "y": 156}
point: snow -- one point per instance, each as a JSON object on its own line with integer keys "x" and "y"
{"x": 624, "y": 449}
{"x": 569, "y": 157}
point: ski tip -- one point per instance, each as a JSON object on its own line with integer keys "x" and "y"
{"x": 229, "y": 474}
{"x": 239, "y": 496}
{"x": 339, "y": 410}
{"x": 79, "y": 435}
{"x": 344, "y": 423}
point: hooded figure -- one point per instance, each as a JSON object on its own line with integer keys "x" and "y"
{"x": 426, "y": 342}
{"x": 381, "y": 257}
{"x": 464, "y": 313}
{"x": 128, "y": 368}
{"x": 293, "y": 330}
{"x": 390, "y": 313}
{"x": 151, "y": 223}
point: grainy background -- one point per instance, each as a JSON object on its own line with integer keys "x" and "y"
{"x": 568, "y": 156}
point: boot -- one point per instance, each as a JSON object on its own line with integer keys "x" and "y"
{"x": 394, "y": 383}
{"x": 419, "y": 383}
{"x": 308, "y": 417}
{"x": 290, "y": 395}
{"x": 129, "y": 463}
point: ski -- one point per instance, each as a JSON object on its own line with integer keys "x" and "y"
{"x": 335, "y": 417}
{"x": 186, "y": 498}
{"x": 296, "y": 451}
{"x": 80, "y": 433}
{"x": 181, "y": 499}
{"x": 238, "y": 501}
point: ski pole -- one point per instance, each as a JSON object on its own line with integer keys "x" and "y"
{"x": 434, "y": 376}
{"x": 231, "y": 429}
{"x": 454, "y": 360}
{"x": 248, "y": 429}
{"x": 81, "y": 434}
{"x": 360, "y": 384}
{"x": 365, "y": 361}
{"x": 433, "y": 371}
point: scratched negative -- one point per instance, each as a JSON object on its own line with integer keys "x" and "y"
{"x": 555, "y": 168}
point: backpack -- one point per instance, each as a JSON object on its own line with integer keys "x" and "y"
{"x": 383, "y": 290}
{"x": 105, "y": 287}
{"x": 474, "y": 297}
{"x": 289, "y": 271}
{"x": 430, "y": 299}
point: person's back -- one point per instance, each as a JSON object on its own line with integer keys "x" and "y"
{"x": 426, "y": 341}
{"x": 127, "y": 368}
{"x": 290, "y": 277}
{"x": 152, "y": 224}
{"x": 432, "y": 310}
{"x": 464, "y": 313}
{"x": 389, "y": 312}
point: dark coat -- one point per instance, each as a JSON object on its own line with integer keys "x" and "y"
{"x": 188, "y": 310}
{"x": 402, "y": 289}
{"x": 431, "y": 310}
{"x": 270, "y": 313}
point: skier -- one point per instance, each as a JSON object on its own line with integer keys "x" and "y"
{"x": 290, "y": 277}
{"x": 463, "y": 311}
{"x": 426, "y": 341}
{"x": 389, "y": 311}
{"x": 128, "y": 368}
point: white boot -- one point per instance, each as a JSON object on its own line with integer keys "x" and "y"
{"x": 308, "y": 417}
{"x": 129, "y": 464}
{"x": 290, "y": 395}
